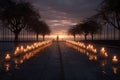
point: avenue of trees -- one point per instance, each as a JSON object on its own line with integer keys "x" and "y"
{"x": 87, "y": 27}
{"x": 35, "y": 27}
{"x": 108, "y": 13}
{"x": 17, "y": 15}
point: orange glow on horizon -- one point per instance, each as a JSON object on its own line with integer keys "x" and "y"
{"x": 61, "y": 36}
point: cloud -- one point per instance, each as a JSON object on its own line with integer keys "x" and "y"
{"x": 61, "y": 14}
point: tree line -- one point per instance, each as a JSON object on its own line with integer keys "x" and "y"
{"x": 17, "y": 15}
{"x": 108, "y": 13}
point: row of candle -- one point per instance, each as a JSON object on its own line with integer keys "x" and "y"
{"x": 94, "y": 57}
{"x": 90, "y": 55}
{"x": 80, "y": 44}
{"x": 19, "y": 60}
{"x": 90, "y": 48}
{"x": 24, "y": 49}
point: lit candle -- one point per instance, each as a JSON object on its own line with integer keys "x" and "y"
{"x": 7, "y": 57}
{"x": 17, "y": 50}
{"x": 115, "y": 59}
{"x": 94, "y": 50}
{"x": 102, "y": 50}
{"x": 106, "y": 55}
{"x": 103, "y": 53}
{"x": 21, "y": 49}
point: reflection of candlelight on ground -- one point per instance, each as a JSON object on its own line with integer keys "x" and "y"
{"x": 103, "y": 72}
{"x": 7, "y": 57}
{"x": 7, "y": 67}
{"x": 16, "y": 61}
{"x": 115, "y": 59}
{"x": 93, "y": 57}
{"x": 103, "y": 63}
{"x": 21, "y": 61}
{"x": 115, "y": 69}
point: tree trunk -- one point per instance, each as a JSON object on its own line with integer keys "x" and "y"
{"x": 16, "y": 37}
{"x": 43, "y": 37}
{"x": 37, "y": 36}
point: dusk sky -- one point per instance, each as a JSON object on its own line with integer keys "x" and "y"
{"x": 60, "y": 15}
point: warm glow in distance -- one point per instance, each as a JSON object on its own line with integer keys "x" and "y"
{"x": 61, "y": 36}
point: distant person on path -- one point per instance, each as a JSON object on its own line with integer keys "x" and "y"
{"x": 57, "y": 38}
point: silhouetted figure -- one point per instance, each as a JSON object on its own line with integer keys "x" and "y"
{"x": 57, "y": 38}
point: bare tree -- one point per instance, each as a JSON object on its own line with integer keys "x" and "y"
{"x": 45, "y": 30}
{"x": 94, "y": 27}
{"x": 109, "y": 12}
{"x": 39, "y": 28}
{"x": 16, "y": 16}
{"x": 73, "y": 31}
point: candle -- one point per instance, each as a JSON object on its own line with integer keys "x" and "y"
{"x": 103, "y": 53}
{"x": 106, "y": 54}
{"x": 17, "y": 50}
{"x": 102, "y": 50}
{"x": 7, "y": 57}
{"x": 115, "y": 59}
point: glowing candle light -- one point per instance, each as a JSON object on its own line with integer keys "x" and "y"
{"x": 115, "y": 70}
{"x": 16, "y": 51}
{"x": 21, "y": 47}
{"x": 106, "y": 54}
{"x": 102, "y": 50}
{"x": 7, "y": 67}
{"x": 103, "y": 53}
{"x": 95, "y": 50}
{"x": 7, "y": 57}
{"x": 115, "y": 59}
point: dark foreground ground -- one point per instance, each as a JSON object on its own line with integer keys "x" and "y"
{"x": 60, "y": 62}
